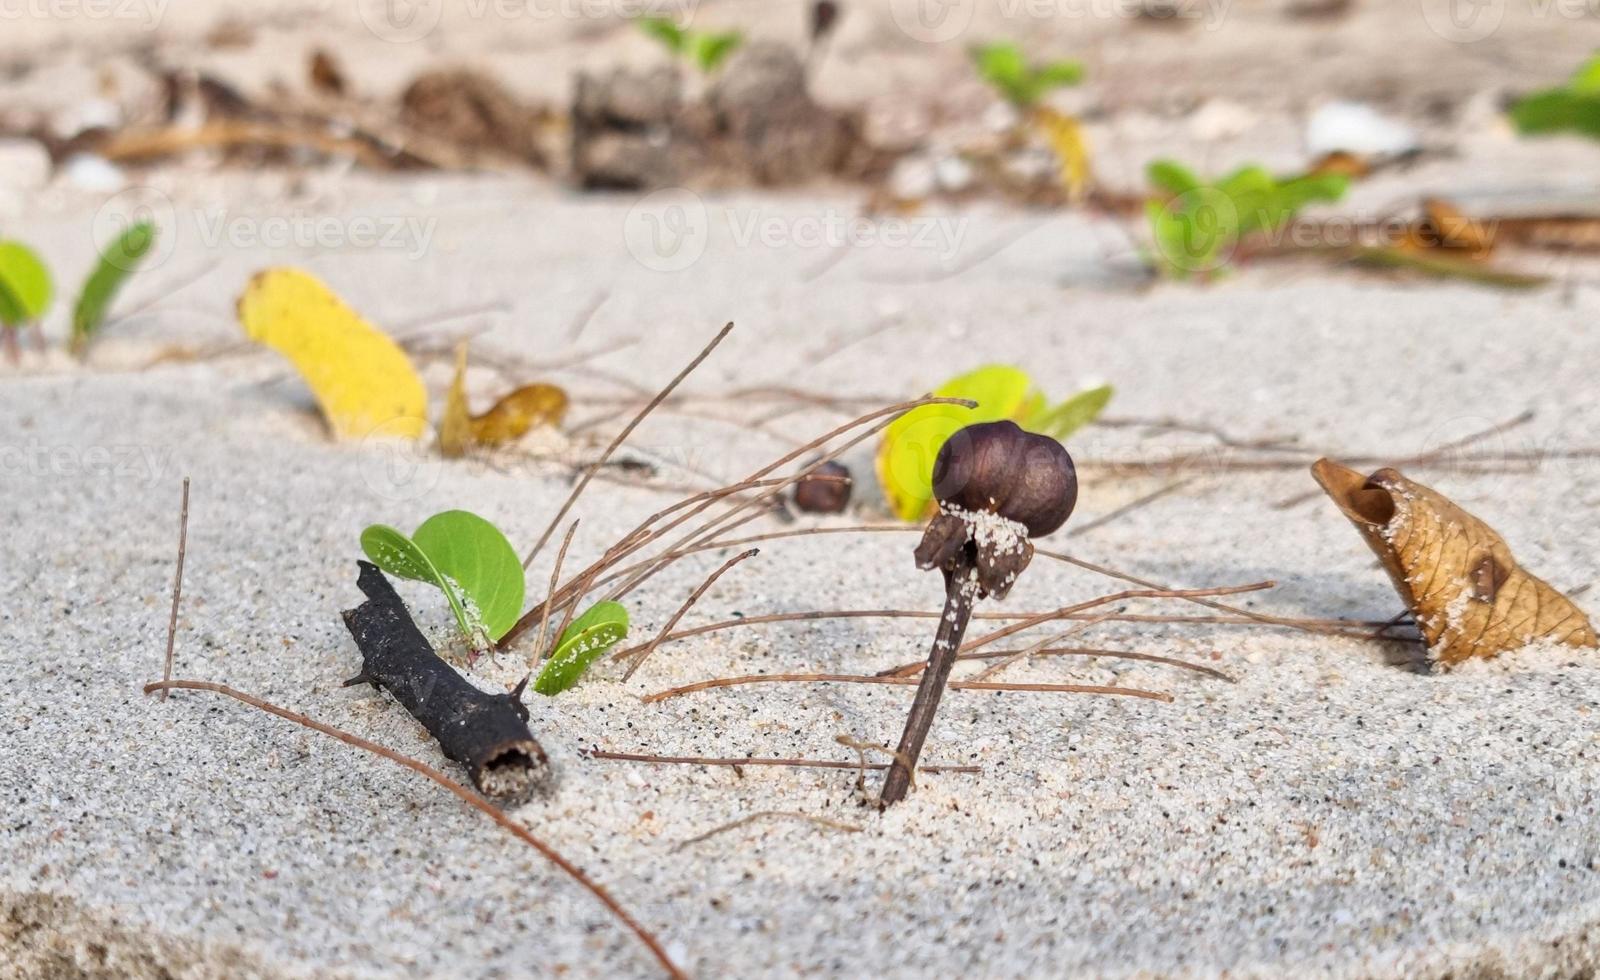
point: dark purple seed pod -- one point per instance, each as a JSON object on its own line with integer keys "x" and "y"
{"x": 826, "y": 490}
{"x": 1002, "y": 469}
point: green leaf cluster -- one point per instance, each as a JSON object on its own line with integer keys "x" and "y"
{"x": 1197, "y": 224}
{"x": 707, "y": 50}
{"x": 1021, "y": 82}
{"x": 1571, "y": 108}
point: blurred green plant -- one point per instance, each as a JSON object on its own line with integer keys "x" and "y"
{"x": 910, "y": 444}
{"x": 26, "y": 291}
{"x": 1197, "y": 224}
{"x": 1571, "y": 108}
{"x": 706, "y": 50}
{"x": 1021, "y": 82}
{"x": 117, "y": 263}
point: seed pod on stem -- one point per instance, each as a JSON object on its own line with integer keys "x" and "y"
{"x": 997, "y": 486}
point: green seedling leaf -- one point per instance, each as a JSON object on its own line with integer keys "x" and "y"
{"x": 669, "y": 34}
{"x": 25, "y": 287}
{"x": 1072, "y": 414}
{"x": 711, "y": 50}
{"x": 1007, "y": 70}
{"x": 1196, "y": 225}
{"x": 1574, "y": 107}
{"x": 116, "y": 264}
{"x": 589, "y": 636}
{"x": 467, "y": 559}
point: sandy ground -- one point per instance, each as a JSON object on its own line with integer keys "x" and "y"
{"x": 1327, "y": 813}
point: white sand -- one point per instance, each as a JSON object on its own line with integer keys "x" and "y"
{"x": 1327, "y": 813}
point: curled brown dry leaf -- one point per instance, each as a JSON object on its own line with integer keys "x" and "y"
{"x": 508, "y": 419}
{"x": 1457, "y": 576}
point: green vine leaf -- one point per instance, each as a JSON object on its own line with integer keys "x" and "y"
{"x": 589, "y": 636}
{"x": 116, "y": 264}
{"x": 1071, "y": 415}
{"x": 1008, "y": 71}
{"x": 466, "y": 558}
{"x": 26, "y": 290}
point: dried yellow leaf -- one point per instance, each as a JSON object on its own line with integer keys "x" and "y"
{"x": 1065, "y": 135}
{"x": 509, "y": 419}
{"x": 1456, "y": 575}
{"x": 362, "y": 380}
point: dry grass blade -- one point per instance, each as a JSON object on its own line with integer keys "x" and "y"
{"x": 881, "y": 418}
{"x": 466, "y": 795}
{"x": 999, "y": 665}
{"x": 622, "y": 437}
{"x": 912, "y": 669}
{"x": 1033, "y": 621}
{"x": 649, "y": 648}
{"x": 555, "y": 576}
{"x": 691, "y": 760}
{"x": 720, "y": 682}
{"x": 745, "y": 821}
{"x": 1132, "y": 506}
{"x": 177, "y": 586}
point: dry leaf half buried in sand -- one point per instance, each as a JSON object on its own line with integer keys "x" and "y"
{"x": 1456, "y": 575}
{"x": 507, "y": 421}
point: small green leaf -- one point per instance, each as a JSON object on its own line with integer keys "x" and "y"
{"x": 467, "y": 559}
{"x": 398, "y": 555}
{"x": 477, "y": 557}
{"x": 1586, "y": 80}
{"x": 1059, "y": 74}
{"x": 25, "y": 286}
{"x": 665, "y": 31}
{"x": 1072, "y": 414}
{"x": 1003, "y": 66}
{"x": 116, "y": 264}
{"x": 582, "y": 643}
{"x": 711, "y": 50}
{"x": 1171, "y": 176}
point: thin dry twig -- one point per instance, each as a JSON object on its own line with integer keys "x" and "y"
{"x": 1001, "y": 664}
{"x": 177, "y": 585}
{"x": 463, "y": 793}
{"x": 1130, "y": 507}
{"x": 687, "y": 760}
{"x": 744, "y": 821}
{"x": 711, "y": 579}
{"x": 720, "y": 682}
{"x": 621, "y": 437}
{"x": 555, "y": 576}
{"x": 911, "y": 669}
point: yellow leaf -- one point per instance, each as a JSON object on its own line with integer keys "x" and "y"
{"x": 910, "y": 442}
{"x": 509, "y": 419}
{"x": 455, "y": 426}
{"x": 1065, "y": 135}
{"x": 1456, "y": 575}
{"x": 362, "y": 380}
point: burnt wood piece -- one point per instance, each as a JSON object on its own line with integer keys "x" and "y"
{"x": 486, "y": 733}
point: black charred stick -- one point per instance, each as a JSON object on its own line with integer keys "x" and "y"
{"x": 486, "y": 733}
{"x": 960, "y": 590}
